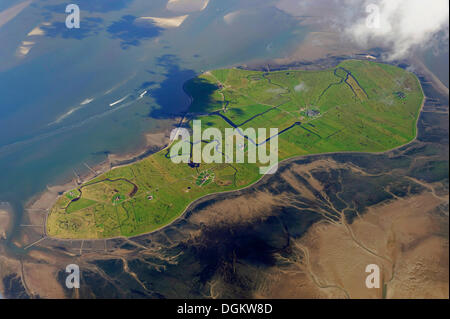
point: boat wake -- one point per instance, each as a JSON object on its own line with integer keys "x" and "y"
{"x": 71, "y": 111}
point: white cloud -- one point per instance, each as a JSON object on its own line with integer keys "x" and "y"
{"x": 403, "y": 25}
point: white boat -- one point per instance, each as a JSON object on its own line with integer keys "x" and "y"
{"x": 142, "y": 94}
{"x": 119, "y": 101}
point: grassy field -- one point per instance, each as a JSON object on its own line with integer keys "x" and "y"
{"x": 357, "y": 106}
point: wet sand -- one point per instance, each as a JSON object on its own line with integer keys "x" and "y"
{"x": 187, "y": 5}
{"x": 165, "y": 23}
{"x": 5, "y": 223}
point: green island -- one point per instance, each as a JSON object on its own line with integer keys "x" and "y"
{"x": 358, "y": 106}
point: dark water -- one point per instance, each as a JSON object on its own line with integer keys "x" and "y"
{"x": 438, "y": 63}
{"x": 55, "y": 101}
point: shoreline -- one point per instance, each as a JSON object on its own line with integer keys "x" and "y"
{"x": 6, "y": 220}
{"x": 44, "y": 200}
{"x": 128, "y": 159}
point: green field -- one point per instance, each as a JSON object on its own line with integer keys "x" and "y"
{"x": 358, "y": 106}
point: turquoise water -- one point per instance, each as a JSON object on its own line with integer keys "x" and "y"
{"x": 48, "y": 128}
